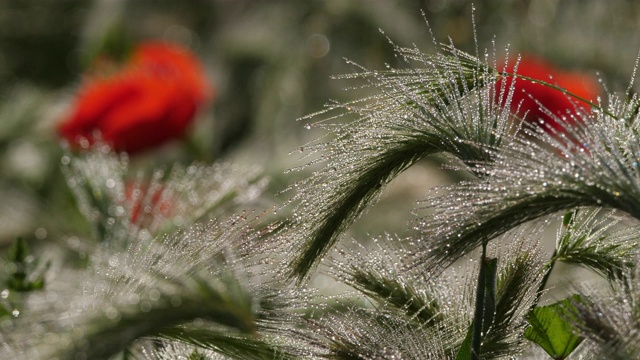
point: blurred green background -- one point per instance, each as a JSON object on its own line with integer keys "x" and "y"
{"x": 270, "y": 63}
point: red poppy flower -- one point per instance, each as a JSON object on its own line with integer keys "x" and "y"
{"x": 529, "y": 99}
{"x": 152, "y": 99}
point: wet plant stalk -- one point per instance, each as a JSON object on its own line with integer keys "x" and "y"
{"x": 476, "y": 337}
{"x": 543, "y": 284}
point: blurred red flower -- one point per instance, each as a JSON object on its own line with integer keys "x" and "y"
{"x": 529, "y": 99}
{"x": 150, "y": 100}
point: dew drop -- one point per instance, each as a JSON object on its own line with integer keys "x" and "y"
{"x": 41, "y": 233}
{"x": 84, "y": 143}
{"x": 145, "y": 306}
{"x": 112, "y": 314}
{"x": 73, "y": 242}
{"x": 154, "y": 295}
{"x": 114, "y": 261}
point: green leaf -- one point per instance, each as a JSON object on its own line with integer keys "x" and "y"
{"x": 568, "y": 218}
{"x": 464, "y": 353}
{"x": 550, "y": 329}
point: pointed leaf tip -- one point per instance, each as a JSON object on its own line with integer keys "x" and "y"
{"x": 550, "y": 329}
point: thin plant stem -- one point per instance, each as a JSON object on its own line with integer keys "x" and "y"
{"x": 476, "y": 337}
{"x": 543, "y": 284}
